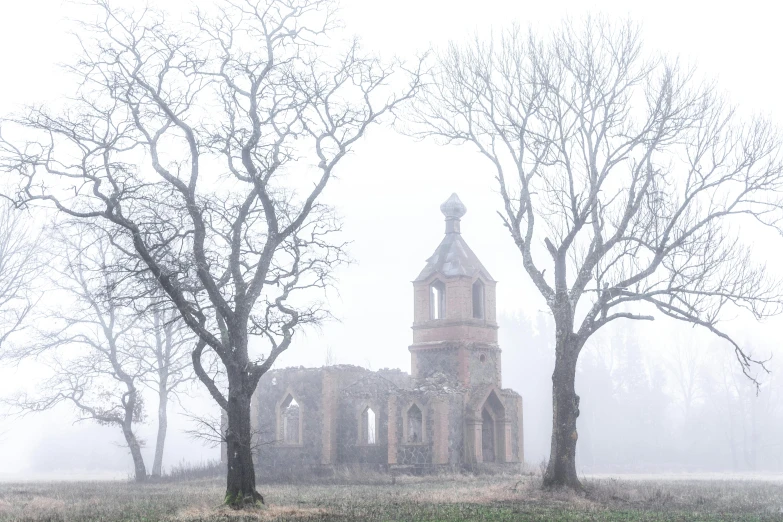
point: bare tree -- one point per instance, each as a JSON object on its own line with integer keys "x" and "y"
{"x": 20, "y": 262}
{"x": 634, "y": 176}
{"x": 92, "y": 346}
{"x": 165, "y": 357}
{"x": 209, "y": 146}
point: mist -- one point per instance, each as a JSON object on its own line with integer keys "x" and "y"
{"x": 656, "y": 398}
{"x": 654, "y": 402}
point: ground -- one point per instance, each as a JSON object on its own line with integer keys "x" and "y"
{"x": 447, "y": 498}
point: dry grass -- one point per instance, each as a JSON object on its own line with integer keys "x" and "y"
{"x": 454, "y": 497}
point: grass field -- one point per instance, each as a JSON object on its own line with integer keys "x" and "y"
{"x": 452, "y": 498}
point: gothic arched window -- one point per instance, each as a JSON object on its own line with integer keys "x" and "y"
{"x": 367, "y": 426}
{"x": 415, "y": 425}
{"x": 290, "y": 419}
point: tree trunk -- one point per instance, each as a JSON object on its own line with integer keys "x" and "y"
{"x": 138, "y": 461}
{"x": 163, "y": 400}
{"x": 241, "y": 480}
{"x": 561, "y": 470}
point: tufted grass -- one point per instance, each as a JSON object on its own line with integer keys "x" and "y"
{"x": 446, "y": 498}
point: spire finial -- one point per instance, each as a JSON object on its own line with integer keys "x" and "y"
{"x": 453, "y": 209}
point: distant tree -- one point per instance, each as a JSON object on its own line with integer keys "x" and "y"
{"x": 685, "y": 365}
{"x": 601, "y": 437}
{"x": 631, "y": 173}
{"x": 329, "y": 358}
{"x": 91, "y": 342}
{"x": 641, "y": 400}
{"x": 745, "y": 418}
{"x": 209, "y": 146}
{"x": 165, "y": 356}
{"x": 109, "y": 339}
{"x": 21, "y": 260}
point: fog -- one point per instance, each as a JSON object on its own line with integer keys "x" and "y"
{"x": 657, "y": 397}
{"x": 652, "y": 401}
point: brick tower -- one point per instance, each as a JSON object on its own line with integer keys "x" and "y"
{"x": 454, "y": 322}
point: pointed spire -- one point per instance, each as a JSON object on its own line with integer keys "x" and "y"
{"x": 453, "y": 209}
{"x": 453, "y": 257}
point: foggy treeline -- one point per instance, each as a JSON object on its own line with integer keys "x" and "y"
{"x": 674, "y": 403}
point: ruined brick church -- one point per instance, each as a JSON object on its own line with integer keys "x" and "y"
{"x": 451, "y": 412}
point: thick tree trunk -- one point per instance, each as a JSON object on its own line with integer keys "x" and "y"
{"x": 241, "y": 480}
{"x": 138, "y": 461}
{"x": 163, "y": 400}
{"x": 561, "y": 470}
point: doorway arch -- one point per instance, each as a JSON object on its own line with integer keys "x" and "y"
{"x": 493, "y": 429}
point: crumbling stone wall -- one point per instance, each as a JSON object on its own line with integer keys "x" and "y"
{"x": 331, "y": 401}
{"x": 358, "y": 391}
{"x": 472, "y": 363}
{"x": 333, "y": 430}
{"x": 412, "y": 454}
{"x": 273, "y": 456}
{"x": 483, "y": 361}
{"x": 456, "y": 434}
{"x": 440, "y": 399}
{"x": 438, "y": 358}
{"x": 514, "y": 413}
{"x": 415, "y": 455}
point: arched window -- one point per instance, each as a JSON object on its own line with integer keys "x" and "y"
{"x": 290, "y": 421}
{"x": 478, "y": 299}
{"x": 415, "y": 425}
{"x": 437, "y": 300}
{"x": 367, "y": 425}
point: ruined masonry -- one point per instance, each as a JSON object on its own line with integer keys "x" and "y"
{"x": 451, "y": 412}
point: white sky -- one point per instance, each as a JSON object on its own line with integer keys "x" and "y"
{"x": 390, "y": 189}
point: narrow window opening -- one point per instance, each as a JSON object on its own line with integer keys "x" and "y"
{"x": 291, "y": 417}
{"x": 482, "y": 358}
{"x": 367, "y": 435}
{"x": 478, "y": 299}
{"x": 437, "y": 300}
{"x": 414, "y": 434}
